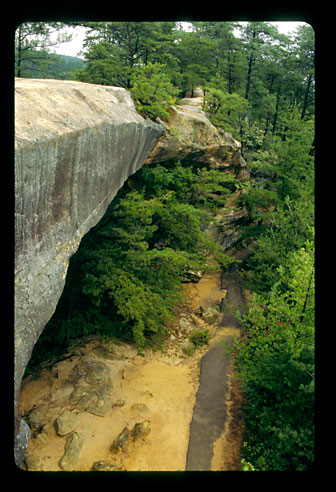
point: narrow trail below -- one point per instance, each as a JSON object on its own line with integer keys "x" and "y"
{"x": 216, "y": 430}
{"x": 191, "y": 401}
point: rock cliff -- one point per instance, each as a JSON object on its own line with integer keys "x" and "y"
{"x": 190, "y": 137}
{"x": 75, "y": 145}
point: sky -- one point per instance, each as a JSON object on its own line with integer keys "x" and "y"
{"x": 73, "y": 47}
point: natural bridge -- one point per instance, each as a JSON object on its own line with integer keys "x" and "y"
{"x": 75, "y": 146}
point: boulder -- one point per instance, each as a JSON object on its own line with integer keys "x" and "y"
{"x": 66, "y": 423}
{"x": 120, "y": 443}
{"x": 138, "y": 408}
{"x": 97, "y": 373}
{"x": 193, "y": 276}
{"x": 37, "y": 417}
{"x": 97, "y": 400}
{"x": 187, "y": 347}
{"x": 190, "y": 136}
{"x": 22, "y": 437}
{"x": 73, "y": 447}
{"x": 32, "y": 462}
{"x": 116, "y": 351}
{"x": 104, "y": 466}
{"x": 93, "y": 390}
{"x": 210, "y": 315}
{"x": 140, "y": 430}
{"x": 185, "y": 324}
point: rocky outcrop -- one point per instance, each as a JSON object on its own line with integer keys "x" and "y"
{"x": 191, "y": 137}
{"x": 75, "y": 145}
{"x": 86, "y": 382}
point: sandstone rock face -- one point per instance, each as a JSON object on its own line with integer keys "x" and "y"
{"x": 190, "y": 136}
{"x": 75, "y": 145}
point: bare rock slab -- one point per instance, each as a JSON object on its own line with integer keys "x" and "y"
{"x": 73, "y": 447}
{"x": 66, "y": 423}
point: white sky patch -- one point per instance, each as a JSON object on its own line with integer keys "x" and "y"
{"x": 73, "y": 47}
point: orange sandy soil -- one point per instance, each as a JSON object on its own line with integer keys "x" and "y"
{"x": 166, "y": 382}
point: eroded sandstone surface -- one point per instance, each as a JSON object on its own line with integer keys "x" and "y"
{"x": 190, "y": 136}
{"x": 75, "y": 145}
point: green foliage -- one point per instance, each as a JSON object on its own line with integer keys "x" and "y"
{"x": 286, "y": 229}
{"x": 257, "y": 199}
{"x": 275, "y": 360}
{"x": 199, "y": 187}
{"x": 99, "y": 69}
{"x": 33, "y": 41}
{"x": 152, "y": 91}
{"x": 228, "y": 111}
{"x": 199, "y": 338}
{"x": 126, "y": 278}
{"x": 246, "y": 465}
{"x": 54, "y": 66}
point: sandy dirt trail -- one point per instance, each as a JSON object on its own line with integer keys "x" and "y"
{"x": 216, "y": 430}
{"x": 161, "y": 387}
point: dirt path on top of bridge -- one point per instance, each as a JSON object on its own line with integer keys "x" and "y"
{"x": 217, "y": 426}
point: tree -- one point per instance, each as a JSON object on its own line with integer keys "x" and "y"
{"x": 275, "y": 360}
{"x": 103, "y": 66}
{"x": 305, "y": 40}
{"x": 228, "y": 111}
{"x": 32, "y": 43}
{"x": 196, "y": 60}
{"x": 114, "y": 49}
{"x": 255, "y": 34}
{"x": 226, "y": 51}
{"x": 152, "y": 90}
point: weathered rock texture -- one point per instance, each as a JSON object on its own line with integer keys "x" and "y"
{"x": 75, "y": 145}
{"x": 191, "y": 137}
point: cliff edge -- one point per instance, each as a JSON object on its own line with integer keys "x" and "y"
{"x": 191, "y": 137}
{"x": 75, "y": 146}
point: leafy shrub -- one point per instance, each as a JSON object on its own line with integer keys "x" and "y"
{"x": 228, "y": 111}
{"x": 199, "y": 338}
{"x": 275, "y": 360}
{"x": 152, "y": 91}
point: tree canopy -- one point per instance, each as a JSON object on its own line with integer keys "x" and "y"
{"x": 126, "y": 278}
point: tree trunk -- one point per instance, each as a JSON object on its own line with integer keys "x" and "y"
{"x": 19, "y": 54}
{"x": 276, "y": 109}
{"x": 249, "y": 72}
{"x": 248, "y": 82}
{"x": 230, "y": 75}
{"x": 267, "y": 122}
{"x": 304, "y": 108}
{"x": 306, "y": 298}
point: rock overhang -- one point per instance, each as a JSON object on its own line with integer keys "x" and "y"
{"x": 75, "y": 146}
